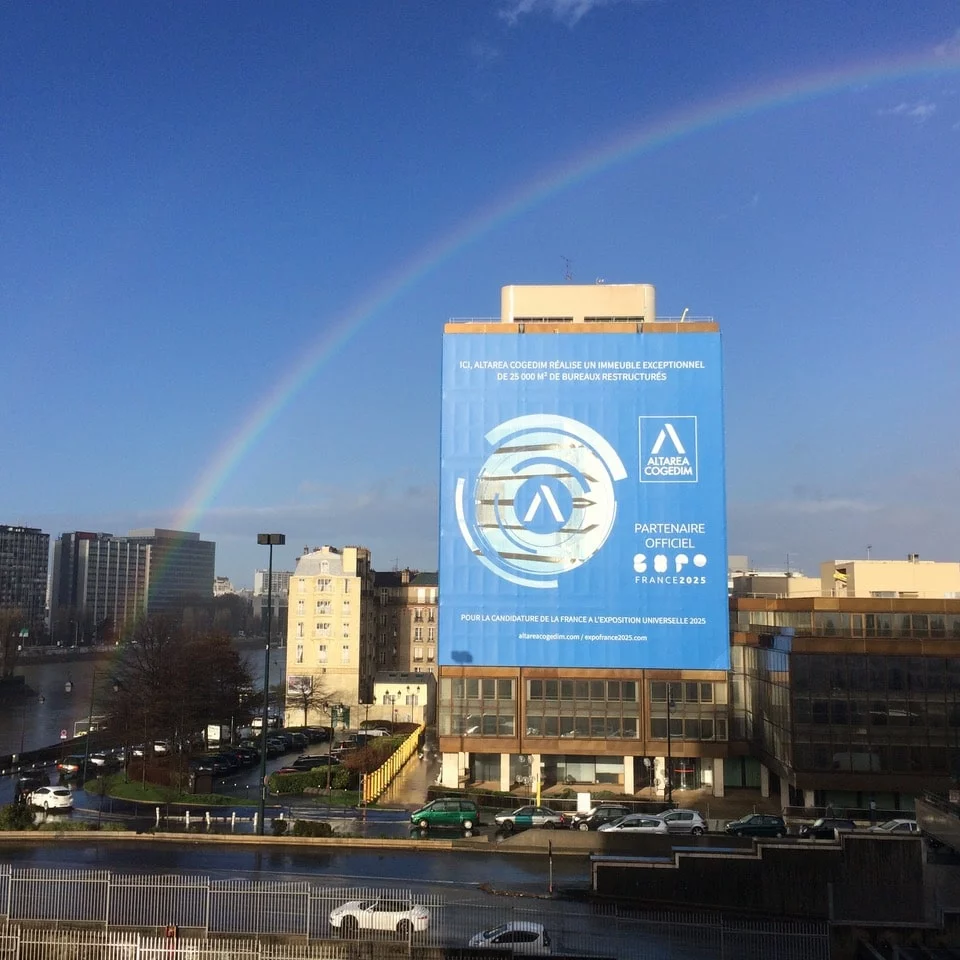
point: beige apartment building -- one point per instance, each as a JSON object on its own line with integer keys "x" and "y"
{"x": 407, "y": 621}
{"x": 757, "y": 583}
{"x": 332, "y": 628}
{"x": 910, "y": 579}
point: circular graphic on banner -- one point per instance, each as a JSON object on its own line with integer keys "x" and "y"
{"x": 543, "y": 501}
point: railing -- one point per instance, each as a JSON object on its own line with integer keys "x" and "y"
{"x": 146, "y": 918}
{"x": 376, "y": 782}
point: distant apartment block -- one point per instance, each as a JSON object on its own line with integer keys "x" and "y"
{"x": 24, "y": 554}
{"x": 773, "y": 583}
{"x": 280, "y": 579}
{"x": 102, "y": 583}
{"x": 223, "y": 586}
{"x": 331, "y": 626}
{"x": 910, "y": 579}
{"x": 407, "y": 620}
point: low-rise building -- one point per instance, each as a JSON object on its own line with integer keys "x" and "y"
{"x": 909, "y": 579}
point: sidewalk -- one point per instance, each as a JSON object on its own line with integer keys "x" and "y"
{"x": 409, "y": 788}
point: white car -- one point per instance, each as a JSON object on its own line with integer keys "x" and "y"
{"x": 897, "y": 827}
{"x": 51, "y": 798}
{"x": 380, "y": 913}
{"x": 636, "y": 823}
{"x": 520, "y": 937}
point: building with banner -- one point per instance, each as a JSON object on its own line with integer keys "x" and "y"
{"x": 583, "y": 623}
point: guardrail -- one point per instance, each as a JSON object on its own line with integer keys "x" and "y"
{"x": 375, "y": 783}
{"x": 92, "y": 913}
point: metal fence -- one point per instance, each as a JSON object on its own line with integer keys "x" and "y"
{"x": 312, "y": 920}
{"x": 377, "y": 781}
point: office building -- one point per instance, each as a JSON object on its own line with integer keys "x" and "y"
{"x": 909, "y": 579}
{"x": 103, "y": 583}
{"x": 332, "y": 626}
{"x": 24, "y": 557}
{"x": 583, "y": 584}
{"x": 407, "y": 621}
{"x": 844, "y": 701}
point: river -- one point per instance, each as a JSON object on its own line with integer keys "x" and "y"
{"x": 37, "y": 719}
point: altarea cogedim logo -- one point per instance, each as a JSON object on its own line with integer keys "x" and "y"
{"x": 543, "y": 502}
{"x": 668, "y": 450}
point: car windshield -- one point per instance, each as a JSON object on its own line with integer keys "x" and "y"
{"x": 496, "y": 931}
{"x": 890, "y": 825}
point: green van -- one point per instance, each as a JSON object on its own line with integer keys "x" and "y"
{"x": 449, "y": 812}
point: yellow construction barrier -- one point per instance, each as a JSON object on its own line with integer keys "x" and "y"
{"x": 376, "y": 782}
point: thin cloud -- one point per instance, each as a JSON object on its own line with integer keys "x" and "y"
{"x": 921, "y": 111}
{"x": 950, "y": 47}
{"x": 483, "y": 54}
{"x": 569, "y": 12}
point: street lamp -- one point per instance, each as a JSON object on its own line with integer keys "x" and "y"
{"x": 268, "y": 540}
{"x": 669, "y": 771}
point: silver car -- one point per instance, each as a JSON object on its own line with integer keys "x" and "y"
{"x": 684, "y": 821}
{"x": 635, "y": 823}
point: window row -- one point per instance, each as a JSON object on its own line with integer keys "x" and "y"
{"x": 594, "y": 728}
{"x": 477, "y": 725}
{"x": 324, "y": 628}
{"x": 418, "y": 654}
{"x": 321, "y": 651}
{"x": 582, "y": 690}
{"x": 475, "y": 688}
{"x": 323, "y": 584}
{"x": 833, "y": 623}
{"x": 864, "y": 674}
{"x": 686, "y": 728}
{"x": 878, "y": 759}
{"x": 431, "y": 634}
{"x": 688, "y": 691}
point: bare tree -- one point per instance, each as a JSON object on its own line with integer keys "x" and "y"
{"x": 306, "y": 693}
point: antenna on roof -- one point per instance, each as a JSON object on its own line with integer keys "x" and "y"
{"x": 567, "y": 269}
{"x": 683, "y": 316}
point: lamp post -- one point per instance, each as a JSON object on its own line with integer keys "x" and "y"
{"x": 269, "y": 540}
{"x": 336, "y": 710}
{"x": 669, "y": 771}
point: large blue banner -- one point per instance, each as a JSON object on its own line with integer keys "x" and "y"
{"x": 582, "y": 514}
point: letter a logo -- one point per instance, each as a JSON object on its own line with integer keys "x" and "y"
{"x": 549, "y": 499}
{"x": 668, "y": 431}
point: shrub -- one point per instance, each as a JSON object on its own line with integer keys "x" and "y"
{"x": 279, "y": 827}
{"x": 16, "y": 817}
{"x": 344, "y": 779}
{"x": 312, "y": 828}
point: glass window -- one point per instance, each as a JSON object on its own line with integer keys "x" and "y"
{"x": 598, "y": 690}
{"x": 658, "y": 691}
{"x": 505, "y": 689}
{"x": 691, "y": 729}
{"x": 566, "y": 726}
{"x": 566, "y": 689}
{"x": 628, "y": 691}
{"x": 691, "y": 692}
{"x": 473, "y": 689}
{"x": 489, "y": 689}
{"x": 630, "y": 727}
{"x": 551, "y": 726}
{"x": 536, "y": 689}
{"x": 581, "y": 726}
{"x": 551, "y": 690}
{"x": 658, "y": 728}
{"x": 706, "y": 693}
{"x": 345, "y": 653}
{"x": 581, "y": 690}
{"x": 488, "y": 725}
{"x": 675, "y": 692}
{"x": 299, "y": 653}
{"x": 596, "y": 726}
{"x": 613, "y": 689}
{"x": 507, "y": 725}
{"x": 706, "y": 728}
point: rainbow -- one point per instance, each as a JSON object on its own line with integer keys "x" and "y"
{"x": 706, "y": 116}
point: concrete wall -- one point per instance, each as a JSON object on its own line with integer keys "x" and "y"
{"x": 866, "y": 878}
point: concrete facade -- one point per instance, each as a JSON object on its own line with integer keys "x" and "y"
{"x": 910, "y": 579}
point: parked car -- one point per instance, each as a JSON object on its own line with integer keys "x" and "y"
{"x": 897, "y": 827}
{"x": 71, "y": 766}
{"x": 826, "y": 828}
{"x": 599, "y": 815}
{"x": 311, "y": 763}
{"x": 519, "y": 937}
{"x": 379, "y": 913}
{"x": 447, "y": 812}
{"x": 636, "y": 823}
{"x": 689, "y": 822}
{"x": 27, "y": 784}
{"x": 757, "y": 825}
{"x": 530, "y": 816}
{"x": 51, "y": 798}
{"x": 162, "y": 747}
{"x": 248, "y": 756}
{"x": 213, "y": 765}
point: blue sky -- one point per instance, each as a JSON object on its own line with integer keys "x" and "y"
{"x": 192, "y": 196}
